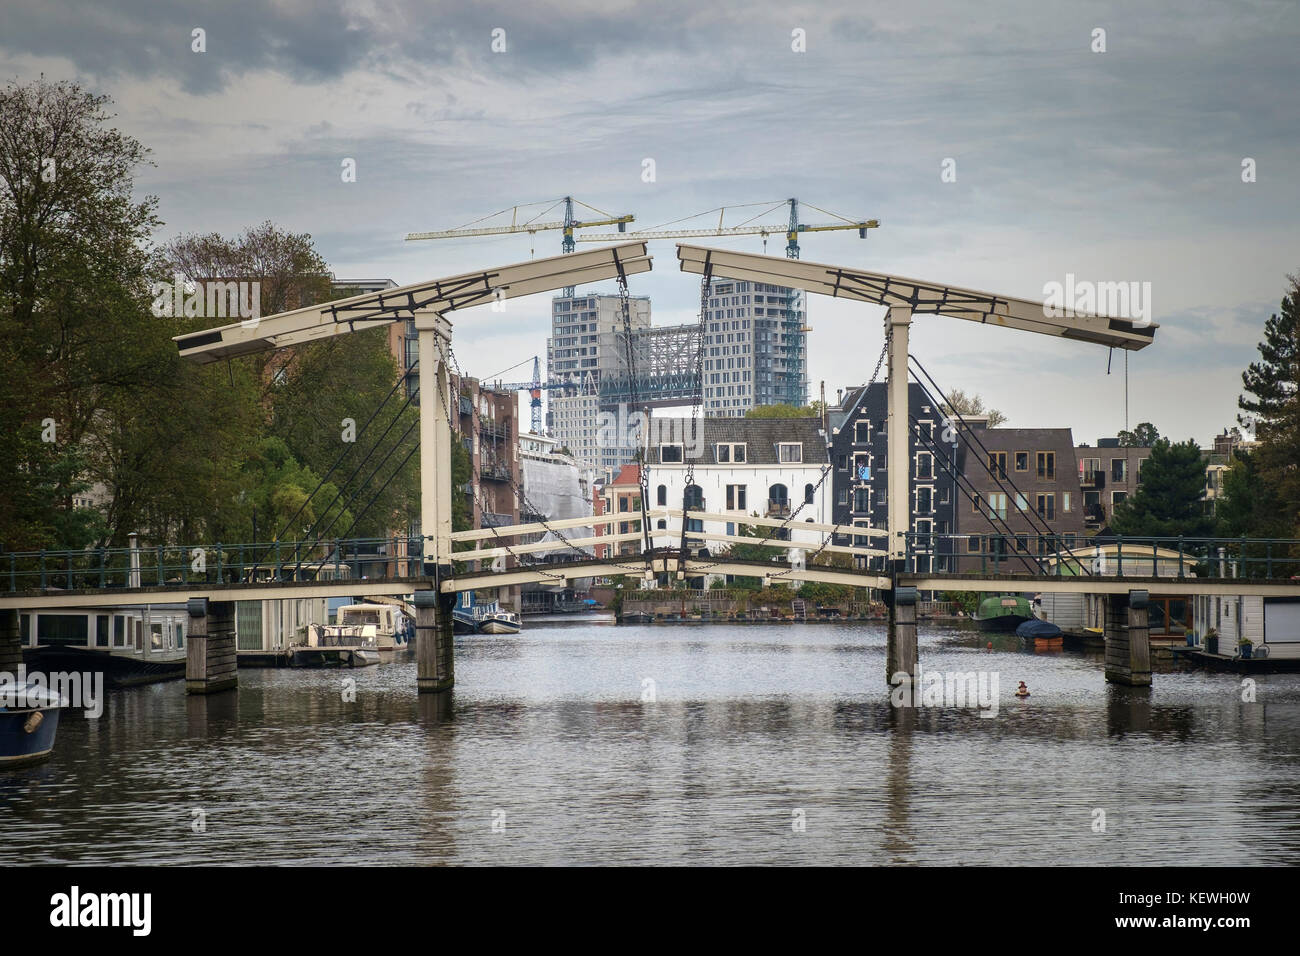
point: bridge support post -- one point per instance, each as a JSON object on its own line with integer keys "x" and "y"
{"x": 901, "y": 655}
{"x": 210, "y": 659}
{"x": 1128, "y": 640}
{"x": 11, "y": 641}
{"x": 434, "y": 650}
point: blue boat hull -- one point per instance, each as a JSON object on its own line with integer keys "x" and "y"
{"x": 18, "y": 745}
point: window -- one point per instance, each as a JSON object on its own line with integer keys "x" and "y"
{"x": 975, "y": 503}
{"x": 180, "y": 637}
{"x": 862, "y": 499}
{"x": 862, "y": 466}
{"x": 862, "y": 432}
{"x": 155, "y": 637}
{"x": 925, "y": 430}
{"x": 973, "y": 544}
{"x": 661, "y": 495}
{"x": 1117, "y": 496}
{"x": 998, "y": 505}
{"x": 1141, "y": 462}
{"x": 119, "y": 630}
{"x": 1065, "y": 501}
{"x": 778, "y": 493}
{"x": 1119, "y": 469}
{"x": 842, "y": 462}
{"x": 1022, "y": 461}
{"x": 1046, "y": 505}
{"x": 924, "y": 500}
{"x": 998, "y": 463}
{"x": 924, "y": 465}
{"x": 101, "y": 630}
{"x": 1047, "y": 465}
{"x": 1022, "y": 503}
{"x": 808, "y": 492}
{"x": 670, "y": 454}
{"x": 1022, "y": 542}
{"x": 736, "y": 497}
{"x": 790, "y": 453}
{"x": 731, "y": 454}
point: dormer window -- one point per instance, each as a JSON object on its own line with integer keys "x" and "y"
{"x": 670, "y": 454}
{"x": 790, "y": 452}
{"x": 731, "y": 454}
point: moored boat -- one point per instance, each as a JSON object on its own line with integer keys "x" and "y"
{"x": 1002, "y": 612}
{"x": 29, "y": 720}
{"x": 1041, "y": 635}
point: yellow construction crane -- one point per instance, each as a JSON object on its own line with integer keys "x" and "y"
{"x": 747, "y": 228}
{"x": 533, "y": 225}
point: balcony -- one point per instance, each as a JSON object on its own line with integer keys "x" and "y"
{"x": 496, "y": 431}
{"x": 1092, "y": 480}
{"x": 1093, "y": 514}
{"x": 778, "y": 507}
{"x": 495, "y": 471}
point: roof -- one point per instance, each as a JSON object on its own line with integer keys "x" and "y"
{"x": 627, "y": 475}
{"x": 760, "y": 436}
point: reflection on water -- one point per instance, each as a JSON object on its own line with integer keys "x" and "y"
{"x": 547, "y": 753}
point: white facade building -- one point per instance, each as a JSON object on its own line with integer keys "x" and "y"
{"x": 745, "y": 467}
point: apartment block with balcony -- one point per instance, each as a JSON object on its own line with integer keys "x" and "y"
{"x": 859, "y": 454}
{"x": 486, "y": 422}
{"x": 1020, "y": 484}
{"x": 1108, "y": 474}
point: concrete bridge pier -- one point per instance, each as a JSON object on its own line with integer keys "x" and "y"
{"x": 434, "y": 653}
{"x": 1128, "y": 640}
{"x": 11, "y": 642}
{"x": 210, "y": 664}
{"x": 901, "y": 654}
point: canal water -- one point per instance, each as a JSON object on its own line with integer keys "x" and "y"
{"x": 690, "y": 744}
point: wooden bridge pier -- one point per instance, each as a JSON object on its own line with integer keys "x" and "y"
{"x": 1128, "y": 640}
{"x": 901, "y": 654}
{"x": 210, "y": 659}
{"x": 434, "y": 651}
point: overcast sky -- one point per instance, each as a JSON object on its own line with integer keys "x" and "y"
{"x": 1123, "y": 165}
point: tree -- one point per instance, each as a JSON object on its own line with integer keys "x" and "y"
{"x": 1143, "y": 436}
{"x": 75, "y": 331}
{"x": 1247, "y": 504}
{"x": 1271, "y": 408}
{"x": 1168, "y": 501}
{"x": 959, "y": 403}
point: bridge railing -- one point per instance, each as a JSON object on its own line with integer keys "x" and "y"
{"x": 181, "y": 566}
{"x": 1115, "y": 555}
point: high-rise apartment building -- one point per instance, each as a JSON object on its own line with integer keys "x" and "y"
{"x": 755, "y": 348}
{"x": 584, "y": 345}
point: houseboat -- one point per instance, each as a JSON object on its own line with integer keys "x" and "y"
{"x": 128, "y": 645}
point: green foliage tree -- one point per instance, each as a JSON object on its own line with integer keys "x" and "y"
{"x": 1271, "y": 408}
{"x": 1168, "y": 502}
{"x": 1143, "y": 436}
{"x": 959, "y": 403}
{"x": 75, "y": 331}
